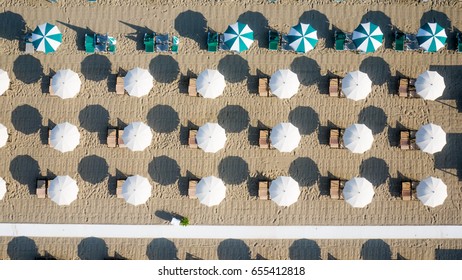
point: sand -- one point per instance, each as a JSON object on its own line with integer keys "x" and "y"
{"x": 168, "y": 162}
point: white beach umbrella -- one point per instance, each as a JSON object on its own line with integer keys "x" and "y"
{"x": 210, "y": 83}
{"x": 430, "y": 138}
{"x": 136, "y": 190}
{"x": 66, "y": 83}
{"x": 285, "y": 137}
{"x": 211, "y": 137}
{"x": 356, "y": 85}
{"x": 210, "y": 191}
{"x": 4, "y": 81}
{"x": 358, "y": 138}
{"x": 137, "y": 136}
{"x": 284, "y": 83}
{"x": 63, "y": 190}
{"x": 64, "y": 137}
{"x": 430, "y": 85}
{"x": 138, "y": 82}
{"x": 358, "y": 192}
{"x": 432, "y": 191}
{"x": 2, "y": 188}
{"x": 284, "y": 191}
{"x": 3, "y": 135}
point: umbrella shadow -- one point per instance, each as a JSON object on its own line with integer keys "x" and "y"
{"x": 234, "y": 68}
{"x": 163, "y": 119}
{"x": 96, "y": 67}
{"x": 259, "y": 24}
{"x": 95, "y": 118}
{"x": 80, "y": 34}
{"x": 233, "y": 170}
{"x": 22, "y": 248}
{"x": 305, "y": 118}
{"x": 192, "y": 25}
{"x": 453, "y": 82}
{"x": 138, "y": 35}
{"x": 161, "y": 249}
{"x": 25, "y": 170}
{"x": 321, "y": 23}
{"x": 27, "y": 69}
{"x": 26, "y": 119}
{"x": 377, "y": 69}
{"x": 233, "y": 249}
{"x": 304, "y": 249}
{"x": 164, "y": 170}
{"x": 375, "y": 170}
{"x": 92, "y": 248}
{"x": 374, "y": 118}
{"x": 164, "y": 68}
{"x": 15, "y": 23}
{"x": 380, "y": 19}
{"x": 233, "y": 118}
{"x": 448, "y": 254}
{"x": 305, "y": 171}
{"x": 450, "y": 157}
{"x": 307, "y": 70}
{"x": 93, "y": 169}
{"x": 375, "y": 249}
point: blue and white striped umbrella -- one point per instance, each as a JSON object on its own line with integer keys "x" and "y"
{"x": 238, "y": 37}
{"x": 302, "y": 37}
{"x": 46, "y": 38}
{"x": 367, "y": 37}
{"x": 431, "y": 37}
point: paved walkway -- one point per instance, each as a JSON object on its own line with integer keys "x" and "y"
{"x": 236, "y": 232}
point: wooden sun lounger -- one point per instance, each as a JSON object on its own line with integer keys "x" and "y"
{"x": 403, "y": 87}
{"x": 263, "y": 190}
{"x": 119, "y": 188}
{"x": 42, "y": 187}
{"x": 111, "y": 137}
{"x": 192, "y": 142}
{"x": 264, "y": 139}
{"x": 335, "y": 138}
{"x": 263, "y": 87}
{"x": 192, "y": 89}
{"x": 336, "y": 187}
{"x": 407, "y": 140}
{"x": 120, "y": 85}
{"x": 334, "y": 87}
{"x": 408, "y": 190}
{"x": 192, "y": 188}
{"x": 120, "y": 141}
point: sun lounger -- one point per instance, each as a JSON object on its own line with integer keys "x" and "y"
{"x": 120, "y": 84}
{"x": 161, "y": 43}
{"x": 29, "y": 47}
{"x": 335, "y": 87}
{"x": 111, "y": 137}
{"x": 192, "y": 142}
{"x": 336, "y": 187}
{"x": 339, "y": 40}
{"x": 408, "y": 190}
{"x": 459, "y": 42}
{"x": 120, "y": 141}
{"x": 212, "y": 41}
{"x": 175, "y": 44}
{"x": 89, "y": 43}
{"x": 335, "y": 138}
{"x": 273, "y": 40}
{"x": 264, "y": 139}
{"x": 119, "y": 188}
{"x": 411, "y": 91}
{"x": 221, "y": 43}
{"x": 285, "y": 43}
{"x": 399, "y": 41}
{"x": 403, "y": 87}
{"x": 407, "y": 140}
{"x": 192, "y": 89}
{"x": 42, "y": 186}
{"x": 263, "y": 190}
{"x": 263, "y": 87}
{"x": 411, "y": 43}
{"x": 149, "y": 42}
{"x": 192, "y": 188}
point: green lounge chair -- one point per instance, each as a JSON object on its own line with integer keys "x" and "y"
{"x": 149, "y": 42}
{"x": 459, "y": 42}
{"x": 212, "y": 41}
{"x": 89, "y": 43}
{"x": 399, "y": 41}
{"x": 273, "y": 40}
{"x": 339, "y": 40}
{"x": 175, "y": 43}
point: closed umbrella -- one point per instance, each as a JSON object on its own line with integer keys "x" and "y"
{"x": 302, "y": 37}
{"x": 431, "y": 37}
{"x": 358, "y": 138}
{"x": 430, "y": 138}
{"x": 3, "y": 135}
{"x": 356, "y": 85}
{"x": 138, "y": 82}
{"x": 64, "y": 137}
{"x": 210, "y": 191}
{"x": 211, "y": 137}
{"x": 284, "y": 83}
{"x": 63, "y": 190}
{"x": 4, "y": 82}
{"x": 430, "y": 85}
{"x": 2, "y": 188}
{"x": 284, "y": 191}
{"x": 46, "y": 38}
{"x": 136, "y": 190}
{"x": 367, "y": 37}
{"x": 285, "y": 137}
{"x": 210, "y": 83}
{"x": 358, "y": 192}
{"x": 137, "y": 136}
{"x": 238, "y": 37}
{"x": 432, "y": 191}
{"x": 66, "y": 84}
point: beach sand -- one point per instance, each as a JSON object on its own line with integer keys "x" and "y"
{"x": 27, "y": 112}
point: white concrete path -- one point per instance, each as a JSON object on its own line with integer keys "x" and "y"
{"x": 236, "y": 232}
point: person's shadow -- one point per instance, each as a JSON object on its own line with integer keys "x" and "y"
{"x": 80, "y": 34}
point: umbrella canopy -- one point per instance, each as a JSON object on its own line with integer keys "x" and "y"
{"x": 430, "y": 85}
{"x": 284, "y": 83}
{"x": 367, "y": 37}
{"x": 46, "y": 38}
{"x": 211, "y": 137}
{"x": 136, "y": 190}
{"x": 2, "y": 188}
{"x": 4, "y": 81}
{"x": 285, "y": 137}
{"x": 356, "y": 85}
{"x": 302, "y": 37}
{"x": 358, "y": 138}
{"x": 210, "y": 191}
{"x": 238, "y": 37}
{"x": 210, "y": 83}
{"x": 432, "y": 191}
{"x": 284, "y": 191}
{"x": 63, "y": 190}
{"x": 3, "y": 135}
{"x": 431, "y": 37}
{"x": 64, "y": 137}
{"x": 430, "y": 138}
{"x": 137, "y": 136}
{"x": 358, "y": 192}
{"x": 138, "y": 82}
{"x": 66, "y": 84}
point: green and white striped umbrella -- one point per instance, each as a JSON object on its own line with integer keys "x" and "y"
{"x": 302, "y": 37}
{"x": 367, "y": 37}
{"x": 238, "y": 37}
{"x": 431, "y": 37}
{"x": 46, "y": 38}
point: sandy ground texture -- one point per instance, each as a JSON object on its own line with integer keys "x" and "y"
{"x": 28, "y": 111}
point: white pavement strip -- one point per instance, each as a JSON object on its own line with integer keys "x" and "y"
{"x": 237, "y": 232}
